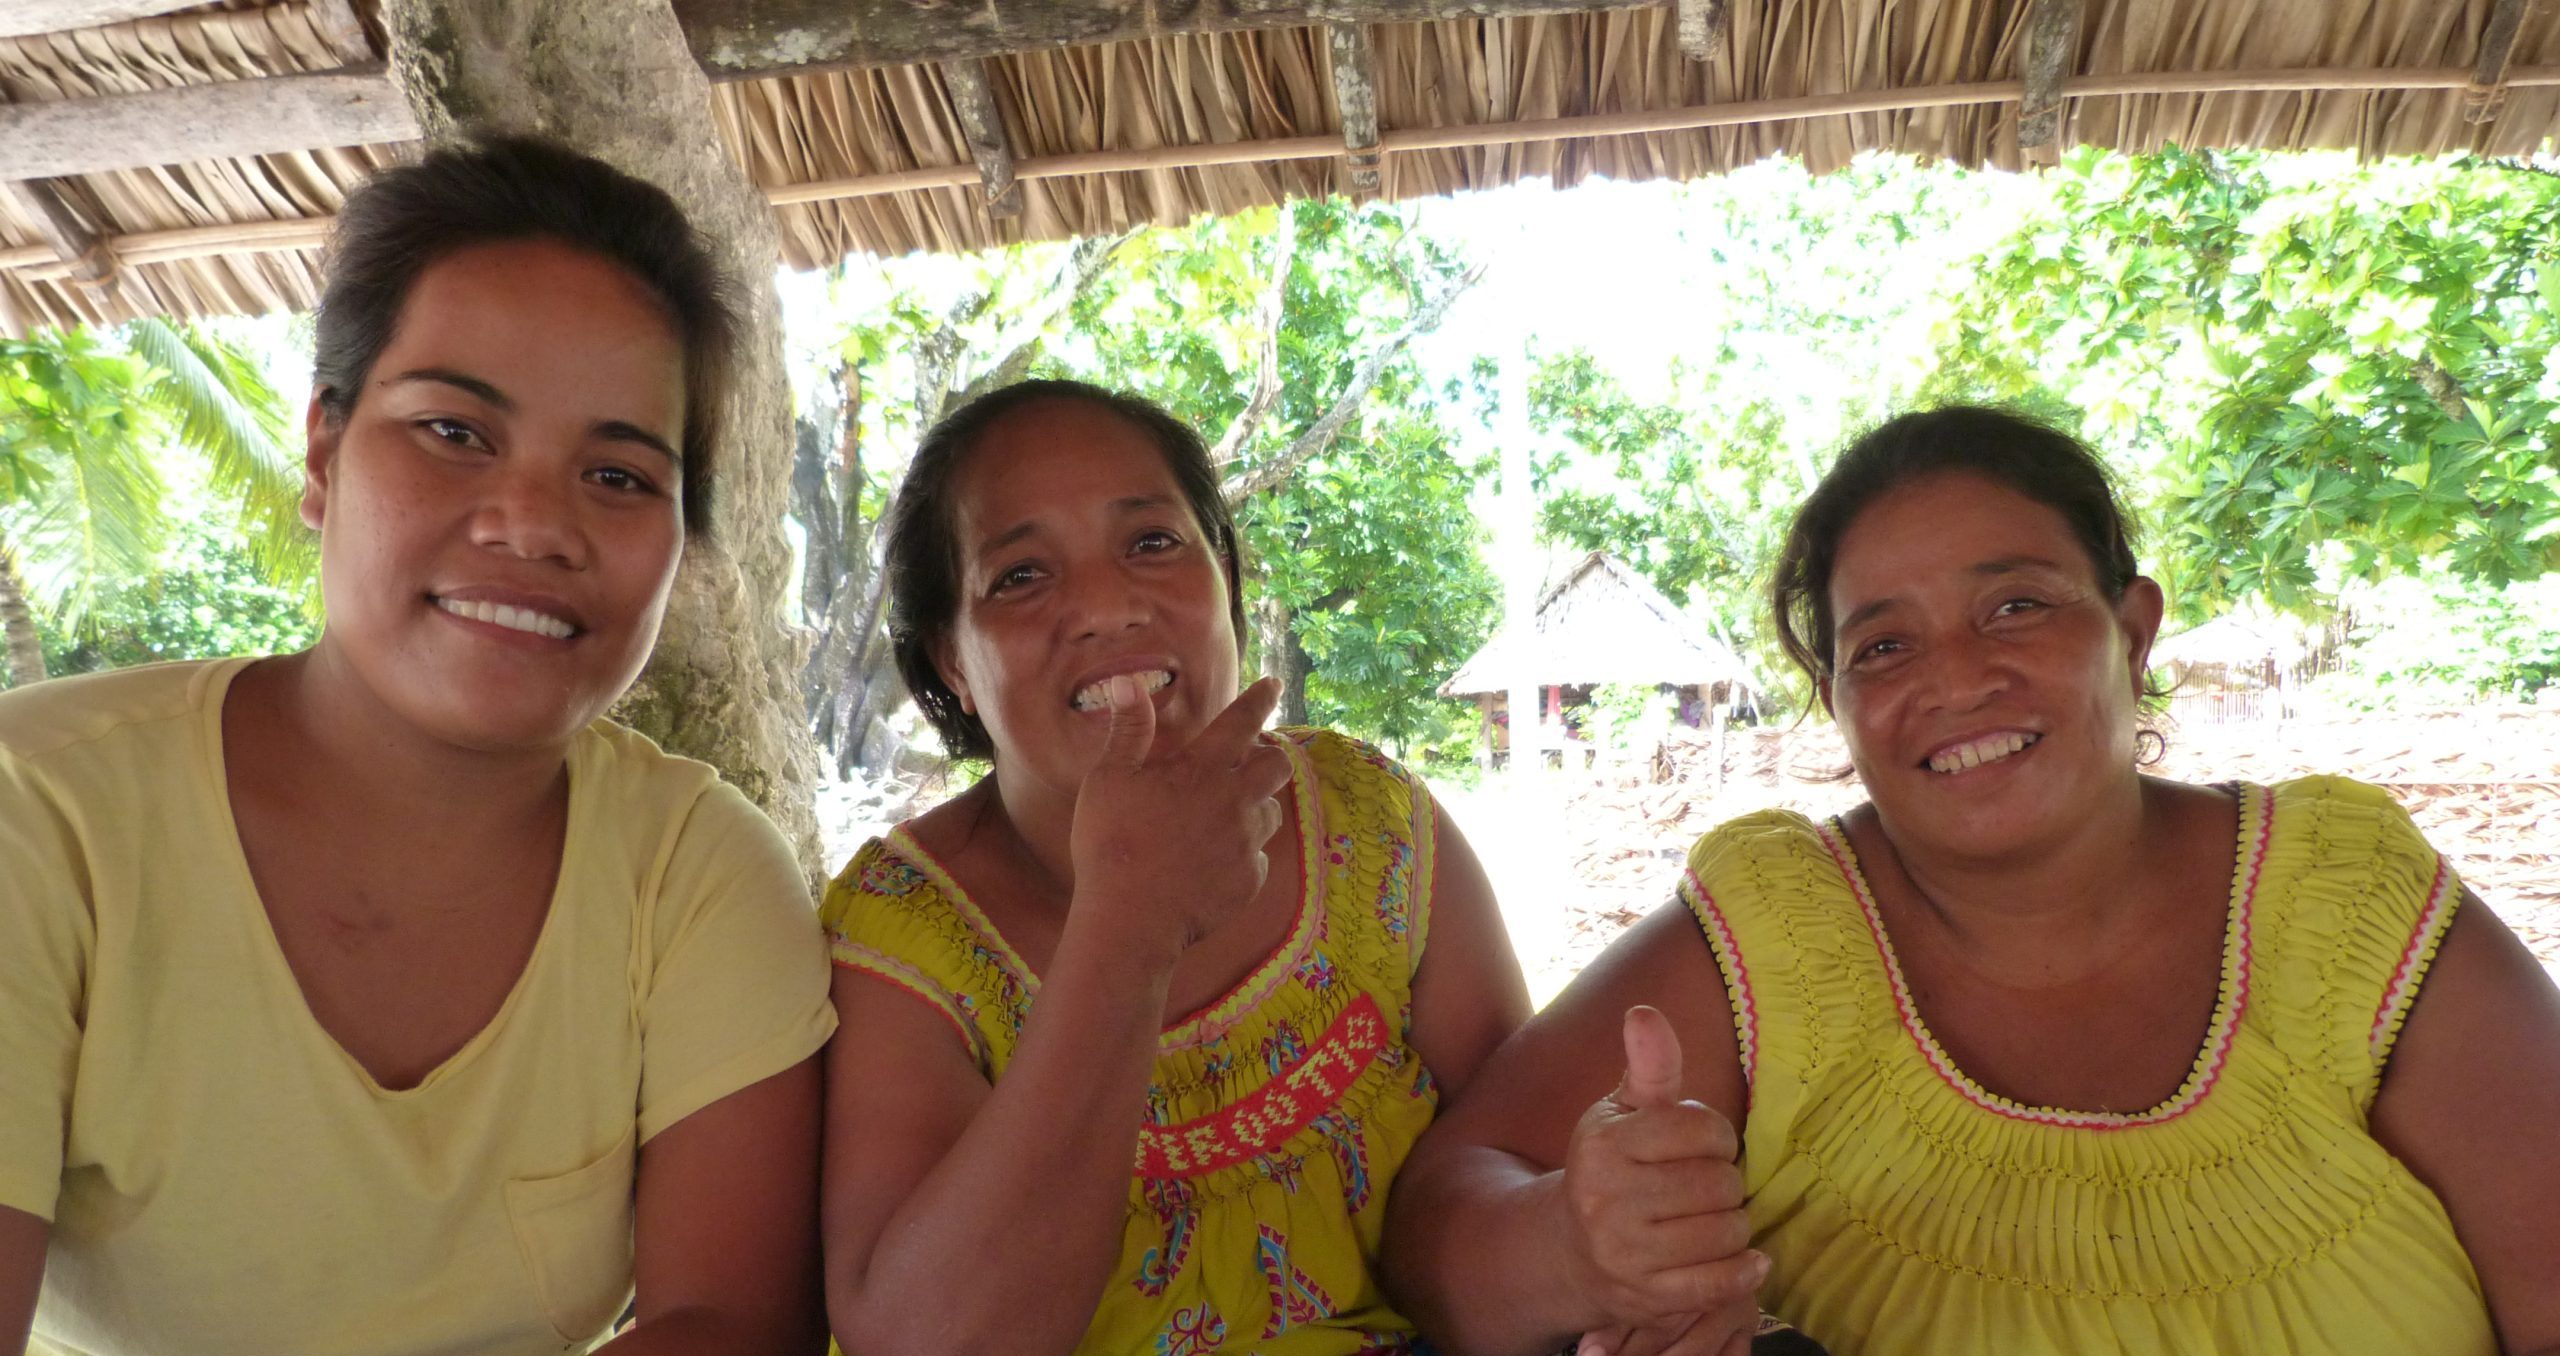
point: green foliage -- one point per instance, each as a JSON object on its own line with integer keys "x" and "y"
{"x": 2307, "y": 355}
{"x": 1630, "y": 718}
{"x": 85, "y": 420}
{"x": 209, "y": 598}
{"x": 2436, "y": 638}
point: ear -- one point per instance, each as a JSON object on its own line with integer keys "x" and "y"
{"x": 948, "y": 666}
{"x": 2139, "y": 613}
{"x": 319, "y": 450}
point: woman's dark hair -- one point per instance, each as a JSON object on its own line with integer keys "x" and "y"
{"x": 922, "y": 554}
{"x": 509, "y": 187}
{"x": 2033, "y": 459}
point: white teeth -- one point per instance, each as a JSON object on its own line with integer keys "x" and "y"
{"x": 512, "y": 618}
{"x": 1979, "y": 752}
{"x": 1097, "y": 696}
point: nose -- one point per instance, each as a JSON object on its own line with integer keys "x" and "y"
{"x": 1962, "y": 671}
{"x": 1101, "y": 600}
{"x": 529, "y": 511}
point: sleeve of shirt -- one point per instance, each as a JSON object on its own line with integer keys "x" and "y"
{"x": 46, "y": 937}
{"x": 738, "y": 988}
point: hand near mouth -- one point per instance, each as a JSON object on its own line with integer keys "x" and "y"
{"x": 1167, "y": 842}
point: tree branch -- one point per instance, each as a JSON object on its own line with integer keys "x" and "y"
{"x": 1321, "y": 434}
{"x": 1266, "y": 379}
{"x": 2442, "y": 388}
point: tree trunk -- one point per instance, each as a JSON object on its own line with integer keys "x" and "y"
{"x": 615, "y": 78}
{"x": 26, "y": 647}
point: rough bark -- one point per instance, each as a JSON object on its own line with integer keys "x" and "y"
{"x": 26, "y": 647}
{"x": 616, "y": 78}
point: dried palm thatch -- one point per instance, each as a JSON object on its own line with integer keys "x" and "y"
{"x": 1162, "y": 128}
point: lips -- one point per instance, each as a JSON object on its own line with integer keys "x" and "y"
{"x": 1968, "y": 754}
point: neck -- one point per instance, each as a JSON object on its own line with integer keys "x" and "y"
{"x": 345, "y": 748}
{"x": 1041, "y": 824}
{"x": 2043, "y": 915}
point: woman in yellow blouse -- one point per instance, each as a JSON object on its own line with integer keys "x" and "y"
{"x": 1149, "y": 1017}
{"x": 2031, "y": 1052}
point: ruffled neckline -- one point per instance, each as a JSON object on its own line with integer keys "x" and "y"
{"x": 2231, "y": 1001}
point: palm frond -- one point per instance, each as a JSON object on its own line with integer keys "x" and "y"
{"x": 96, "y": 519}
{"x": 222, "y": 405}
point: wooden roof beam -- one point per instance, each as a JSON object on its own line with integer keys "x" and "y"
{"x": 973, "y": 101}
{"x": 90, "y": 258}
{"x": 750, "y": 39}
{"x": 201, "y": 122}
{"x": 1702, "y": 26}
{"x": 1355, "y": 99}
{"x": 2052, "y": 49}
{"x": 25, "y": 18}
{"x": 2488, "y": 90}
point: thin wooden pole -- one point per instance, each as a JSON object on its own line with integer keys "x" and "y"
{"x": 39, "y": 262}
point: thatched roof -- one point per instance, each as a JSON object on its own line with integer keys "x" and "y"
{"x": 856, "y": 116}
{"x": 1602, "y": 623}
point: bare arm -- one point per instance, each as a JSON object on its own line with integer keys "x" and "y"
{"x": 22, "y": 1243}
{"x": 2471, "y": 1103}
{"x": 1485, "y": 1248}
{"x": 727, "y": 1230}
{"x": 964, "y": 1218}
{"x": 1468, "y": 997}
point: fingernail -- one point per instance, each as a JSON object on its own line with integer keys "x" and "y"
{"x": 1760, "y": 1265}
{"x": 1124, "y": 689}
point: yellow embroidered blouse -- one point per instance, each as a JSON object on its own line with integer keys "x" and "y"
{"x": 1278, "y": 1115}
{"x": 1908, "y": 1209}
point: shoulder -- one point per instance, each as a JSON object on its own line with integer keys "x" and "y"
{"x": 629, "y": 768}
{"x": 1762, "y": 837}
{"x": 1358, "y": 776}
{"x": 43, "y": 719}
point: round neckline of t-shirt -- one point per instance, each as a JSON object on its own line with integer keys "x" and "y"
{"x": 1212, "y": 1019}
{"x": 2231, "y": 1001}
{"x": 271, "y": 948}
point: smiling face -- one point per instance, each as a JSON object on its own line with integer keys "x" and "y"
{"x": 1079, "y": 559}
{"x": 499, "y": 513}
{"x": 1985, "y": 685}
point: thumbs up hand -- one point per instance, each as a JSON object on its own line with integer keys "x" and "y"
{"x": 1655, "y": 1203}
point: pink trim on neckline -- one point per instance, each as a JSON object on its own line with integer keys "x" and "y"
{"x": 2255, "y": 802}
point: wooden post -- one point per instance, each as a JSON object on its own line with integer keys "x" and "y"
{"x": 49, "y": 204}
{"x": 1355, "y": 97}
{"x": 615, "y": 78}
{"x": 2488, "y": 91}
{"x": 973, "y": 102}
{"x": 2053, "y": 41}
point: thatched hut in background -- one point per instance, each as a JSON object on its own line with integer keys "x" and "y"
{"x": 1600, "y": 625}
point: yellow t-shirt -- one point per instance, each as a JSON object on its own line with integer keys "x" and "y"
{"x": 1907, "y": 1209}
{"x": 1278, "y": 1115}
{"x": 222, "y": 1177}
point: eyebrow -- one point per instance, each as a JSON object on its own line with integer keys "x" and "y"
{"x": 2000, "y": 566}
{"x": 611, "y": 430}
{"x": 1135, "y": 503}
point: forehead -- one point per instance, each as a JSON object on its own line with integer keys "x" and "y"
{"x": 1056, "y": 460}
{"x": 541, "y": 320}
{"x": 1944, "y": 527}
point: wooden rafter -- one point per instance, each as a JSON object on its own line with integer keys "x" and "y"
{"x": 86, "y": 253}
{"x": 21, "y": 18}
{"x": 973, "y": 101}
{"x": 337, "y": 24}
{"x": 1355, "y": 100}
{"x": 201, "y": 122}
{"x": 747, "y": 39}
{"x": 2053, "y": 41}
{"x": 2489, "y": 76}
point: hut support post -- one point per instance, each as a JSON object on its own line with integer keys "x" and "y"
{"x": 616, "y": 79}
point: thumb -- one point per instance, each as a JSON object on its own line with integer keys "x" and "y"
{"x": 1133, "y": 722}
{"x": 1653, "y": 1060}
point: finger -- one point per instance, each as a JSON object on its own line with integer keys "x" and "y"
{"x": 1679, "y": 1133}
{"x": 1267, "y": 819}
{"x": 1223, "y": 742}
{"x": 1263, "y": 770}
{"x": 1661, "y": 1339}
{"x": 1653, "y": 1060}
{"x": 1707, "y": 1285}
{"x": 1670, "y": 1244}
{"x": 1132, "y": 733}
{"x": 1600, "y": 1343}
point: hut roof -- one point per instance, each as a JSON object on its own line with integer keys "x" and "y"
{"x": 189, "y": 163}
{"x": 1603, "y": 623}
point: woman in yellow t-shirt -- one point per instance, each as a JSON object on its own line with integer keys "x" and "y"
{"x": 381, "y": 998}
{"x": 1151, "y": 1014}
{"x": 2030, "y": 1053}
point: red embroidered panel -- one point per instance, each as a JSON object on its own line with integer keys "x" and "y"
{"x": 1270, "y": 1114}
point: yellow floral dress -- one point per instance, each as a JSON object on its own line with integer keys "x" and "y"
{"x": 1908, "y": 1209}
{"x": 1277, "y": 1116}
